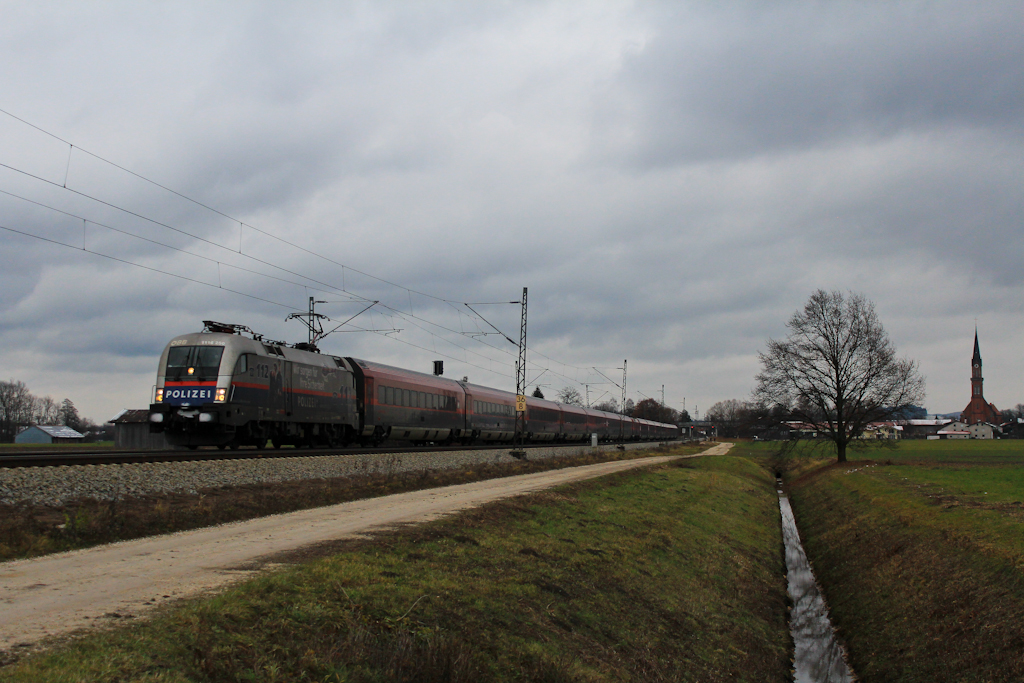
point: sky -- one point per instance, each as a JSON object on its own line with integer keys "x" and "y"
{"x": 671, "y": 181}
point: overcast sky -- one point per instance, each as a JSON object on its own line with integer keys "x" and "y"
{"x": 670, "y": 180}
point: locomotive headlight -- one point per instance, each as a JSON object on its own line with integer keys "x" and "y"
{"x": 191, "y": 371}
{"x": 222, "y": 395}
{"x": 159, "y": 396}
{"x": 206, "y": 417}
{"x": 156, "y": 417}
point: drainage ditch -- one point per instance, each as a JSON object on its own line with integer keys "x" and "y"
{"x": 818, "y": 657}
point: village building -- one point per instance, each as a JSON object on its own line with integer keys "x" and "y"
{"x": 984, "y": 430}
{"x": 922, "y": 428}
{"x": 956, "y": 429}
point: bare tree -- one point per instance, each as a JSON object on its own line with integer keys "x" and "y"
{"x": 728, "y": 415}
{"x": 16, "y": 405}
{"x": 609, "y": 406}
{"x": 1011, "y": 414}
{"x": 569, "y": 396}
{"x": 46, "y": 411}
{"x": 837, "y": 370}
{"x": 69, "y": 415}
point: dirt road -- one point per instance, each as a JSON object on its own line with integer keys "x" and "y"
{"x": 58, "y": 594}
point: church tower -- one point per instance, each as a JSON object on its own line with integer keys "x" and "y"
{"x": 978, "y": 410}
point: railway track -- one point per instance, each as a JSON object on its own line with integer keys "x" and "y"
{"x": 59, "y": 458}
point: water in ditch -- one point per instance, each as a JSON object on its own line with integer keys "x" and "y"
{"x": 818, "y": 656}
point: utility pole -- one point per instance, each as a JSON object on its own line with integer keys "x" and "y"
{"x": 662, "y": 395}
{"x": 518, "y": 451}
{"x": 622, "y": 422}
{"x": 587, "y": 387}
{"x": 312, "y": 321}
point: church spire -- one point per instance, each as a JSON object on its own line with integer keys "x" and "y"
{"x": 976, "y": 361}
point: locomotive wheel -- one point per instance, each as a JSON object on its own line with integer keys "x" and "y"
{"x": 277, "y": 444}
{"x": 261, "y": 443}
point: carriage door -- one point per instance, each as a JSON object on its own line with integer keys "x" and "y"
{"x": 286, "y": 388}
{"x": 368, "y": 402}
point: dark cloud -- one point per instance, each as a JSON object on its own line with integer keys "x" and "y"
{"x": 729, "y": 83}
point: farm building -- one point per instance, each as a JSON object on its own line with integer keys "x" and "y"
{"x": 131, "y": 430}
{"x": 49, "y": 434}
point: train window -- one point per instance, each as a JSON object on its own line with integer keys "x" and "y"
{"x": 382, "y": 395}
{"x": 197, "y": 361}
{"x": 406, "y": 398}
{"x": 177, "y": 356}
{"x": 242, "y": 365}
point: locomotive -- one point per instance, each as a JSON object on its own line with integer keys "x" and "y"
{"x": 220, "y": 387}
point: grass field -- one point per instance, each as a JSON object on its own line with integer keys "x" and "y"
{"x": 920, "y": 552}
{"x": 671, "y": 574}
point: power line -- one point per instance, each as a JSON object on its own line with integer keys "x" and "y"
{"x": 331, "y": 288}
{"x": 139, "y": 265}
{"x": 226, "y": 289}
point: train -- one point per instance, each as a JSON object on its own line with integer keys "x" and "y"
{"x": 228, "y": 387}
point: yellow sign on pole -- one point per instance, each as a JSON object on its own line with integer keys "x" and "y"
{"x": 520, "y": 403}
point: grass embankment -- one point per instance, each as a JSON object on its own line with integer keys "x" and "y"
{"x": 921, "y": 556}
{"x": 33, "y": 530}
{"x": 669, "y": 574}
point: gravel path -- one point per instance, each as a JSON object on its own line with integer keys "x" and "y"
{"x": 59, "y": 485}
{"x": 58, "y": 594}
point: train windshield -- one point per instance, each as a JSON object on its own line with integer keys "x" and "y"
{"x": 193, "y": 362}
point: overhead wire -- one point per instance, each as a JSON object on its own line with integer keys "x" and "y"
{"x": 331, "y": 289}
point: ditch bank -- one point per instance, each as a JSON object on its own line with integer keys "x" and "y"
{"x": 920, "y": 588}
